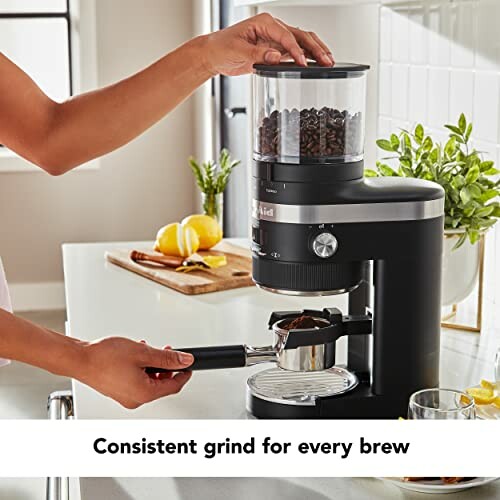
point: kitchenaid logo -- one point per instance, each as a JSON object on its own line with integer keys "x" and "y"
{"x": 269, "y": 190}
{"x": 265, "y": 211}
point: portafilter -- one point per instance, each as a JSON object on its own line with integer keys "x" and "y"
{"x": 300, "y": 350}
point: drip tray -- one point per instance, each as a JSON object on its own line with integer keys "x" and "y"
{"x": 300, "y": 388}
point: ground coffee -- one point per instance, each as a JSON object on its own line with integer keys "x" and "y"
{"x": 302, "y": 323}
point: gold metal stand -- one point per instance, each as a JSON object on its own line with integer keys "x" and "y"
{"x": 479, "y": 315}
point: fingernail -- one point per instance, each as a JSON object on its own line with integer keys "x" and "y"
{"x": 303, "y": 60}
{"x": 185, "y": 357}
{"x": 330, "y": 55}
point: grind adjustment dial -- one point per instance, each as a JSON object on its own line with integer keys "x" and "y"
{"x": 325, "y": 245}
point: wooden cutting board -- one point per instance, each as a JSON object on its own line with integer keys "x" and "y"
{"x": 237, "y": 273}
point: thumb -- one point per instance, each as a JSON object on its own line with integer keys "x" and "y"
{"x": 170, "y": 360}
{"x": 265, "y": 55}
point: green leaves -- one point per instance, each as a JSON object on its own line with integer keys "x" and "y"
{"x": 471, "y": 188}
{"x": 212, "y": 177}
{"x": 386, "y": 145}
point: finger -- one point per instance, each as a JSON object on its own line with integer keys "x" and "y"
{"x": 171, "y": 386}
{"x": 310, "y": 45}
{"x": 168, "y": 359}
{"x": 324, "y": 45}
{"x": 265, "y": 55}
{"x": 278, "y": 33}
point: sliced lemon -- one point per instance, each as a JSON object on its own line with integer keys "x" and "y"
{"x": 175, "y": 239}
{"x": 481, "y": 395}
{"x": 496, "y": 402}
{"x": 486, "y": 384}
{"x": 208, "y": 229}
{"x": 215, "y": 261}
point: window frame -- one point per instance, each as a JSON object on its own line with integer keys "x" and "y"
{"x": 81, "y": 25}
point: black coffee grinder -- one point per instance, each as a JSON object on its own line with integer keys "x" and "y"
{"x": 320, "y": 228}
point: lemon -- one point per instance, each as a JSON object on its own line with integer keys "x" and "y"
{"x": 481, "y": 395}
{"x": 496, "y": 402}
{"x": 176, "y": 239}
{"x": 215, "y": 261}
{"x": 486, "y": 384}
{"x": 208, "y": 229}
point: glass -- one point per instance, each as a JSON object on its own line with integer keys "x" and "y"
{"x": 441, "y": 404}
{"x": 309, "y": 117}
{"x": 47, "y": 60}
{"x": 23, "y": 6}
{"x": 213, "y": 205}
{"x": 497, "y": 367}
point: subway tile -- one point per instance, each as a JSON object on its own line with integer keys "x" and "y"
{"x": 463, "y": 34}
{"x": 386, "y": 34}
{"x": 438, "y": 102}
{"x": 384, "y": 130}
{"x": 461, "y": 94}
{"x": 417, "y": 100}
{"x": 400, "y": 36}
{"x": 487, "y": 23}
{"x": 418, "y": 35}
{"x": 486, "y": 106}
{"x": 385, "y": 89}
{"x": 488, "y": 149}
{"x": 400, "y": 91}
{"x": 438, "y": 25}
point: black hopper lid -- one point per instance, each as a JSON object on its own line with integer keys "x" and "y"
{"x": 313, "y": 70}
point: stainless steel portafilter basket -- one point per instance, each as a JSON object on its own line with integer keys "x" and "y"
{"x": 299, "y": 350}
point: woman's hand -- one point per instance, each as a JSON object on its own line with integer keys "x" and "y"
{"x": 115, "y": 367}
{"x": 261, "y": 39}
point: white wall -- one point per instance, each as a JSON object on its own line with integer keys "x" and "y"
{"x": 438, "y": 59}
{"x": 137, "y": 189}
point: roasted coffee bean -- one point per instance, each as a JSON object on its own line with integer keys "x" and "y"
{"x": 311, "y": 133}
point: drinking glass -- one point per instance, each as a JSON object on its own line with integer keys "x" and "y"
{"x": 441, "y": 404}
{"x": 497, "y": 368}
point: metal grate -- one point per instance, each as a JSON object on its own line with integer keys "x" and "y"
{"x": 300, "y": 388}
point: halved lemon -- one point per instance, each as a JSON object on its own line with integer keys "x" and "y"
{"x": 176, "y": 239}
{"x": 208, "y": 229}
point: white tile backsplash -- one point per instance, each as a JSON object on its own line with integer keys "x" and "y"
{"x": 452, "y": 65}
{"x": 462, "y": 34}
{"x": 451, "y": 62}
{"x": 385, "y": 89}
{"x": 418, "y": 36}
{"x": 486, "y": 104}
{"x": 400, "y": 91}
{"x": 487, "y": 16}
{"x": 417, "y": 101}
{"x": 461, "y": 94}
{"x": 400, "y": 36}
{"x": 438, "y": 109}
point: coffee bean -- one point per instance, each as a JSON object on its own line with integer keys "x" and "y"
{"x": 311, "y": 133}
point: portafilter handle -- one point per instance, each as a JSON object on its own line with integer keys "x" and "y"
{"x": 220, "y": 357}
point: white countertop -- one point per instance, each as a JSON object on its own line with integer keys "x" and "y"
{"x": 104, "y": 300}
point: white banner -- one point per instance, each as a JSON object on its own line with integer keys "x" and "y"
{"x": 249, "y": 448}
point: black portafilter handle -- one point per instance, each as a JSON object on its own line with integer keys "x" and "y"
{"x": 210, "y": 358}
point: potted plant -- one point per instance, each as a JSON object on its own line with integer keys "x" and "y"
{"x": 212, "y": 179}
{"x": 472, "y": 191}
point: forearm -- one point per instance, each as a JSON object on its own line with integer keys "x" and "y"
{"x": 21, "y": 340}
{"x": 93, "y": 124}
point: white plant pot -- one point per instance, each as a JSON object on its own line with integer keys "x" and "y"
{"x": 460, "y": 268}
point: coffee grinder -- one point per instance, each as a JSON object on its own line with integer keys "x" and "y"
{"x": 320, "y": 228}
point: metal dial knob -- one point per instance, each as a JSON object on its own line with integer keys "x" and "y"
{"x": 325, "y": 245}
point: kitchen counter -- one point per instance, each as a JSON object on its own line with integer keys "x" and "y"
{"x": 103, "y": 300}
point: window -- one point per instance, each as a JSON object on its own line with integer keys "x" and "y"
{"x": 42, "y": 38}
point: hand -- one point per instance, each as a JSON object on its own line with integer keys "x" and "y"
{"x": 262, "y": 39}
{"x": 115, "y": 367}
